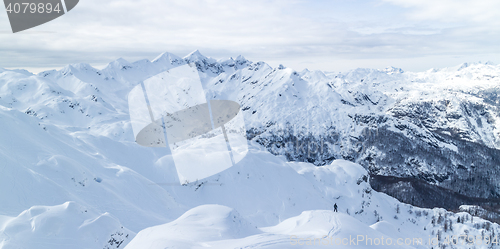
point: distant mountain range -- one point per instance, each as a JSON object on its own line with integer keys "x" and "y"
{"x": 430, "y": 139}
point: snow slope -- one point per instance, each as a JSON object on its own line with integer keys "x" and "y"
{"x": 311, "y": 229}
{"x": 71, "y": 175}
{"x": 68, "y": 225}
{"x": 368, "y": 216}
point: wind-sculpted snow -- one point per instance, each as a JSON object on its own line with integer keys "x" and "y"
{"x": 67, "y": 140}
{"x": 68, "y": 225}
{"x": 365, "y": 218}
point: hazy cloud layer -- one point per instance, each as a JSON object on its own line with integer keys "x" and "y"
{"x": 321, "y": 34}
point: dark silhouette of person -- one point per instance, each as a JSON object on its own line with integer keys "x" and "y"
{"x": 335, "y": 207}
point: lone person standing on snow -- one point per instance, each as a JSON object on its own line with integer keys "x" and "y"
{"x": 335, "y": 207}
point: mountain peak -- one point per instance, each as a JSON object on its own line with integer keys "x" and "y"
{"x": 78, "y": 67}
{"x": 240, "y": 58}
{"x": 169, "y": 57}
{"x": 462, "y": 66}
{"x": 119, "y": 63}
{"x": 470, "y": 64}
{"x": 393, "y": 70}
{"x": 195, "y": 55}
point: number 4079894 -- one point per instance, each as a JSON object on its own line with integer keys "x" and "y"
{"x": 33, "y": 8}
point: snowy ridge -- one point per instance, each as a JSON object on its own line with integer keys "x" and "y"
{"x": 363, "y": 213}
{"x": 67, "y": 147}
{"x": 62, "y": 225}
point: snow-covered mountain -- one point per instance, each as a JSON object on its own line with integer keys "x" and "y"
{"x": 436, "y": 128}
{"x": 71, "y": 174}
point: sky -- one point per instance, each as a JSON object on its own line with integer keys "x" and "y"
{"x": 329, "y": 35}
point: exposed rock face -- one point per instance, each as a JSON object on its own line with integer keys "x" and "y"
{"x": 436, "y": 130}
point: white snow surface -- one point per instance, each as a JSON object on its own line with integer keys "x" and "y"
{"x": 71, "y": 175}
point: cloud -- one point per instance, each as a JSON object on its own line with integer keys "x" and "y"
{"x": 475, "y": 11}
{"x": 327, "y": 34}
